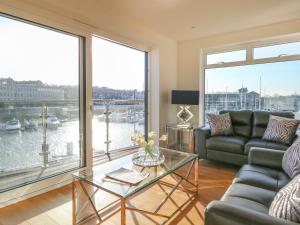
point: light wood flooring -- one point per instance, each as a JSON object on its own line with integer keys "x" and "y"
{"x": 55, "y": 207}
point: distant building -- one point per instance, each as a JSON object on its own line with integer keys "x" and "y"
{"x": 109, "y": 93}
{"x": 28, "y": 91}
{"x": 242, "y": 99}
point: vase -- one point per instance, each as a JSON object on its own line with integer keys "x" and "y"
{"x": 148, "y": 157}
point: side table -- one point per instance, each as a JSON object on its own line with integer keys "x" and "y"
{"x": 180, "y": 138}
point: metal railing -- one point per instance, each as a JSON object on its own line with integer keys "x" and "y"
{"x": 122, "y": 111}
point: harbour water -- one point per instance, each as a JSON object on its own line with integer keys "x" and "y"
{"x": 21, "y": 149}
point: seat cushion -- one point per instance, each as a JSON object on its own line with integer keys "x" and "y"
{"x": 256, "y": 142}
{"x": 262, "y": 177}
{"x": 246, "y": 203}
{"x": 242, "y": 194}
{"x": 233, "y": 144}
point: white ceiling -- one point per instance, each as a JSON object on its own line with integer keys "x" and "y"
{"x": 189, "y": 19}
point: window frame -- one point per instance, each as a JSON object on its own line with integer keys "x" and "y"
{"x": 250, "y": 60}
{"x": 81, "y": 100}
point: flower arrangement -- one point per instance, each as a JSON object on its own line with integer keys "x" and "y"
{"x": 148, "y": 146}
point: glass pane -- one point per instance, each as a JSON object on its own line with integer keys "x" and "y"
{"x": 271, "y": 87}
{"x": 277, "y": 50}
{"x": 225, "y": 57}
{"x": 39, "y": 102}
{"x": 173, "y": 161}
{"x": 118, "y": 89}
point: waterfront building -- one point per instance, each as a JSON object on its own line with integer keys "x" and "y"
{"x": 242, "y": 99}
{"x": 28, "y": 91}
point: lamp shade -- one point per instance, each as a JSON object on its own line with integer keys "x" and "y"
{"x": 184, "y": 97}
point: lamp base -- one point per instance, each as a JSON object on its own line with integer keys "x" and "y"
{"x": 184, "y": 125}
{"x": 184, "y": 115}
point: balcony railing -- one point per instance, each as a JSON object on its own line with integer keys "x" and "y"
{"x": 114, "y": 122}
{"x": 38, "y": 139}
{"x": 38, "y": 134}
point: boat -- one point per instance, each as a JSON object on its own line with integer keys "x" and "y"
{"x": 31, "y": 125}
{"x": 53, "y": 122}
{"x": 12, "y": 125}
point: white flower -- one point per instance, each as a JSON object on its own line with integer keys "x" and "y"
{"x": 151, "y": 134}
{"x": 163, "y": 138}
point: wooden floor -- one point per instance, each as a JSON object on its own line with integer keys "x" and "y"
{"x": 55, "y": 207}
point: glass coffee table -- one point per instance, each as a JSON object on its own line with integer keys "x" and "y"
{"x": 87, "y": 184}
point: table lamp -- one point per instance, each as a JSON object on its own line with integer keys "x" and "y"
{"x": 185, "y": 99}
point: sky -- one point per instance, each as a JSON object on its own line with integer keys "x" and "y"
{"x": 117, "y": 66}
{"x": 281, "y": 78}
{"x": 29, "y": 52}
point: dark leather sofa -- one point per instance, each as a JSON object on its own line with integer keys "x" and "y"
{"x": 248, "y": 126}
{"x": 248, "y": 199}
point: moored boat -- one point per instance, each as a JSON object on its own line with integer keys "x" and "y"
{"x": 12, "y": 125}
{"x": 53, "y": 122}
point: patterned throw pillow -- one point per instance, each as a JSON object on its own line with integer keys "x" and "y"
{"x": 281, "y": 129}
{"x": 291, "y": 159}
{"x": 220, "y": 124}
{"x": 286, "y": 204}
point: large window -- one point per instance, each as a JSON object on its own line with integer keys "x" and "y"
{"x": 267, "y": 80}
{"x": 41, "y": 121}
{"x": 119, "y": 95}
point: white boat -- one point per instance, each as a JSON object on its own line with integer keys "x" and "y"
{"x": 12, "y": 125}
{"x": 52, "y": 122}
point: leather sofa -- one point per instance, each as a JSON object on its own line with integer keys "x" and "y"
{"x": 248, "y": 127}
{"x": 247, "y": 200}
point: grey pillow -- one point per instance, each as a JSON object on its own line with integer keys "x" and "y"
{"x": 281, "y": 129}
{"x": 291, "y": 159}
{"x": 286, "y": 204}
{"x": 220, "y": 124}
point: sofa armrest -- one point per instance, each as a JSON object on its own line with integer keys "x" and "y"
{"x": 222, "y": 213}
{"x": 266, "y": 157}
{"x": 201, "y": 134}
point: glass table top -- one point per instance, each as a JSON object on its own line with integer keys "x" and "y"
{"x": 173, "y": 161}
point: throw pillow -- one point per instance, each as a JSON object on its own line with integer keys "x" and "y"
{"x": 291, "y": 159}
{"x": 286, "y": 204}
{"x": 220, "y": 124}
{"x": 281, "y": 129}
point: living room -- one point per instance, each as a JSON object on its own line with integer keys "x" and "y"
{"x": 89, "y": 88}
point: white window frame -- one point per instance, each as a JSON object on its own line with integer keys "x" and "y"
{"x": 249, "y": 46}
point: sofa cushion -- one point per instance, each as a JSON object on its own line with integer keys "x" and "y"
{"x": 291, "y": 159}
{"x": 241, "y": 122}
{"x": 264, "y": 144}
{"x": 254, "y": 194}
{"x": 280, "y": 129}
{"x": 233, "y": 144}
{"x": 261, "y": 119}
{"x": 246, "y": 203}
{"x": 286, "y": 204}
{"x": 262, "y": 177}
{"x": 220, "y": 124}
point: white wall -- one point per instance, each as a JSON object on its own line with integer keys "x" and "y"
{"x": 111, "y": 24}
{"x": 189, "y": 51}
